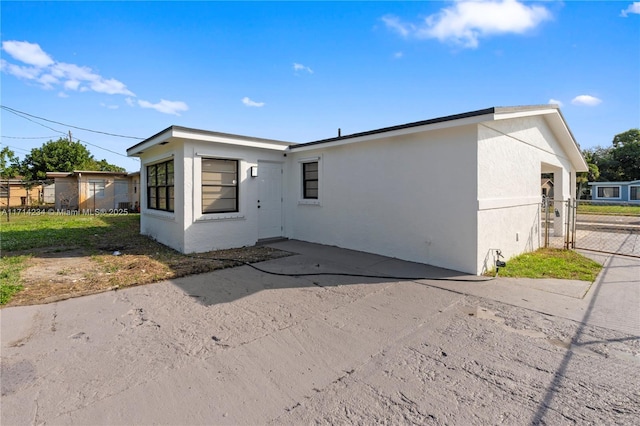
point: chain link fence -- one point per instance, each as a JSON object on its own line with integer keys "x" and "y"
{"x": 579, "y": 224}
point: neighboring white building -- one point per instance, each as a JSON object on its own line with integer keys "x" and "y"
{"x": 445, "y": 192}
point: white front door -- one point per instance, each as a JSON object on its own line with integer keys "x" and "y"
{"x": 269, "y": 203}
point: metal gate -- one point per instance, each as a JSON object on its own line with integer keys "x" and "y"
{"x": 591, "y": 226}
{"x": 558, "y": 223}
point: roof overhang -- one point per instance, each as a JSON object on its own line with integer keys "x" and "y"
{"x": 631, "y": 182}
{"x": 85, "y": 172}
{"x": 178, "y": 134}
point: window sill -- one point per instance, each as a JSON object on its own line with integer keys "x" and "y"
{"x": 308, "y": 202}
{"x": 209, "y": 217}
{"x": 158, "y": 214}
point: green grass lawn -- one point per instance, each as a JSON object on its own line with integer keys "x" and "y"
{"x": 552, "y": 263}
{"x": 94, "y": 241}
{"x": 24, "y": 233}
{"x": 10, "y": 268}
{"x": 608, "y": 209}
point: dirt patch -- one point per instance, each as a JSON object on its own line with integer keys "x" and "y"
{"x": 56, "y": 275}
{"x": 59, "y": 268}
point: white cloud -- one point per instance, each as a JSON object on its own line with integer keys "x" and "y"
{"x": 71, "y": 84}
{"x": 586, "y": 100}
{"x": 28, "y": 73}
{"x": 28, "y": 53}
{"x": 555, "y": 102}
{"x": 633, "y": 8}
{"x": 467, "y": 21}
{"x": 42, "y": 69}
{"x": 299, "y": 67}
{"x": 111, "y": 87}
{"x": 248, "y": 102}
{"x": 164, "y": 106}
{"x": 109, "y": 106}
{"x": 398, "y": 55}
{"x": 47, "y": 81}
{"x": 393, "y": 23}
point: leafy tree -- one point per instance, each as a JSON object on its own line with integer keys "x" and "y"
{"x": 61, "y": 156}
{"x": 619, "y": 162}
{"x": 9, "y": 165}
{"x": 626, "y": 154}
{"x": 103, "y": 166}
{"x": 594, "y": 171}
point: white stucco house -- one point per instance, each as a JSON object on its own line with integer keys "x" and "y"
{"x": 445, "y": 192}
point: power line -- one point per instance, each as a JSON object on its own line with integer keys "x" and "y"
{"x": 104, "y": 149}
{"x": 29, "y": 137}
{"x": 17, "y": 112}
{"x": 16, "y": 148}
{"x": 28, "y": 119}
{"x": 23, "y": 114}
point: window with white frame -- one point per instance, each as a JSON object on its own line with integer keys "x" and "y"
{"x": 310, "y": 180}
{"x": 608, "y": 192}
{"x": 160, "y": 186}
{"x": 96, "y": 188}
{"x": 219, "y": 185}
{"x": 634, "y": 193}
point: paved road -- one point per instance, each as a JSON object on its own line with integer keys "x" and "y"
{"x": 243, "y": 347}
{"x": 631, "y": 221}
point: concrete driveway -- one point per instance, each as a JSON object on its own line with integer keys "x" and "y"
{"x": 240, "y": 346}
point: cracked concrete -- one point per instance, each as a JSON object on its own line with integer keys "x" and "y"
{"x": 239, "y": 346}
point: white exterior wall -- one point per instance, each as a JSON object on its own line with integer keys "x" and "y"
{"x": 215, "y": 231}
{"x": 509, "y": 169}
{"x": 411, "y": 197}
{"x": 164, "y": 227}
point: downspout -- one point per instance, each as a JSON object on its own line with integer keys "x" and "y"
{"x": 80, "y": 193}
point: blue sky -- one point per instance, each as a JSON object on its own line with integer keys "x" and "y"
{"x": 298, "y": 71}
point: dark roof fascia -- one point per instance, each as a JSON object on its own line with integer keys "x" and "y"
{"x": 401, "y": 127}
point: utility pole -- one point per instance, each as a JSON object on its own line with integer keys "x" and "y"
{"x": 70, "y": 139}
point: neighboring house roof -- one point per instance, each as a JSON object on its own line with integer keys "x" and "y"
{"x": 631, "y": 182}
{"x": 88, "y": 172}
{"x": 551, "y": 113}
{"x": 12, "y": 181}
{"x": 544, "y": 182}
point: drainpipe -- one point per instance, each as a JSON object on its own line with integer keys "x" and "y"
{"x": 80, "y": 193}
